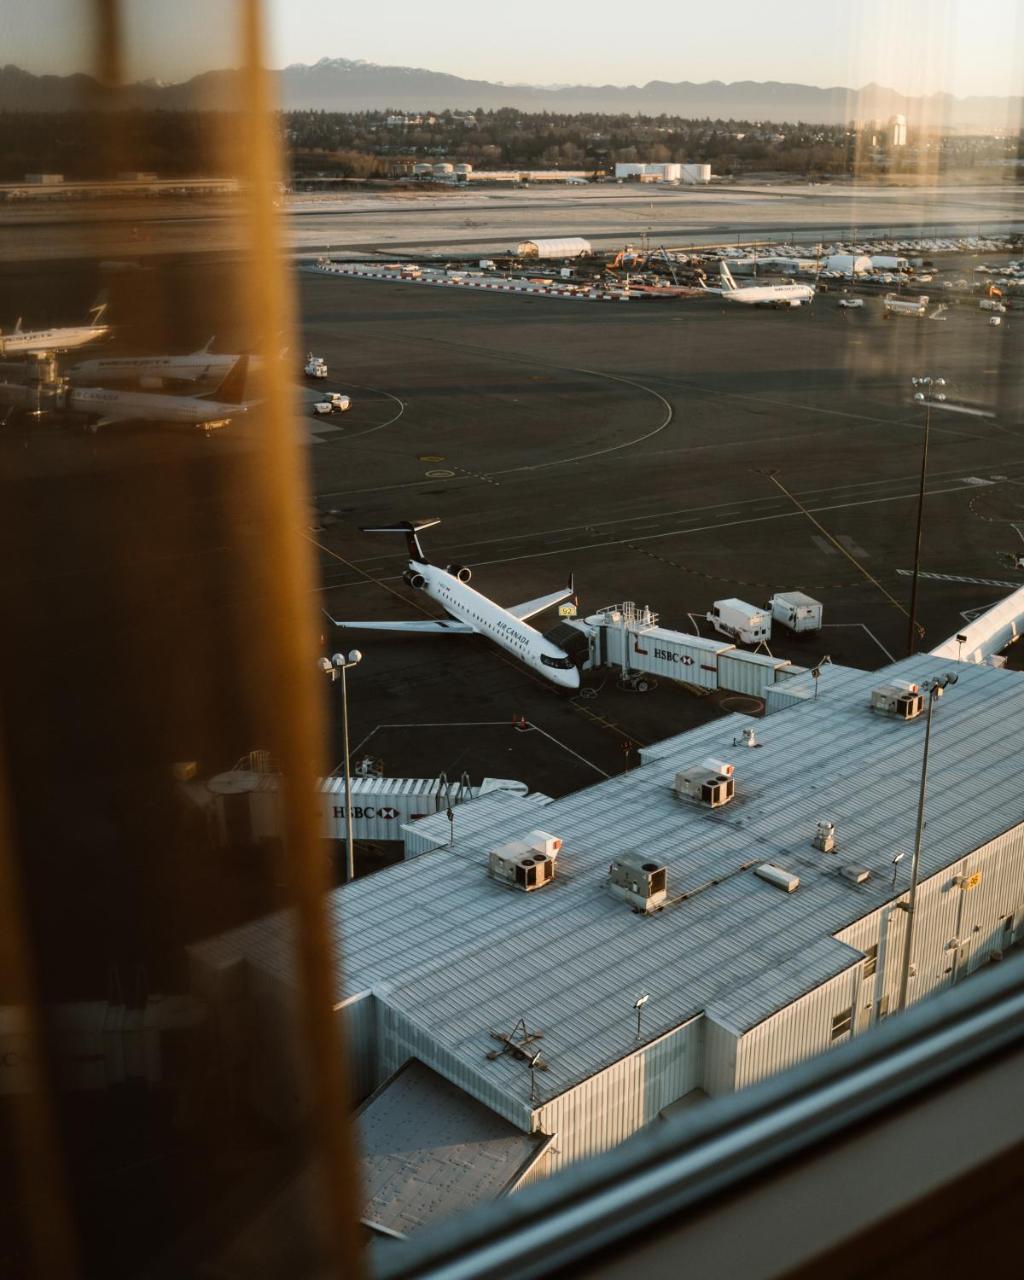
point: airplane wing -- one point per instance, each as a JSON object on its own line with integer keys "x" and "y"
{"x": 529, "y": 607}
{"x": 427, "y": 626}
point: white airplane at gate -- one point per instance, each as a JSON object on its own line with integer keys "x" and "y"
{"x": 156, "y": 371}
{"x": 761, "y": 295}
{"x": 104, "y": 406}
{"x": 43, "y": 342}
{"x": 472, "y": 613}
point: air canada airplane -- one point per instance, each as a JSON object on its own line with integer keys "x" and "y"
{"x": 104, "y": 406}
{"x": 472, "y": 613}
{"x": 761, "y": 295}
{"x": 42, "y": 342}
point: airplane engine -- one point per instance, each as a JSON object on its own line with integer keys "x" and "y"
{"x": 414, "y": 580}
{"x": 459, "y": 571}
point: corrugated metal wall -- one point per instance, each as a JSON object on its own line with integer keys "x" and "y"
{"x": 360, "y": 1035}
{"x": 613, "y": 1105}
{"x": 801, "y": 1030}
{"x": 958, "y": 928}
{"x": 719, "y": 1058}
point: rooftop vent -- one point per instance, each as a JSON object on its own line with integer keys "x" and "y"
{"x": 642, "y": 884}
{"x": 526, "y": 864}
{"x": 825, "y": 837}
{"x": 855, "y": 875}
{"x": 711, "y": 782}
{"x": 900, "y": 700}
{"x": 777, "y": 876}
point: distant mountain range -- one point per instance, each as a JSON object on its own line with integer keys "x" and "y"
{"x": 340, "y": 84}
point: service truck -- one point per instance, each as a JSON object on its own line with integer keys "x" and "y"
{"x": 796, "y": 611}
{"x": 334, "y": 403}
{"x": 740, "y": 621}
{"x": 315, "y": 366}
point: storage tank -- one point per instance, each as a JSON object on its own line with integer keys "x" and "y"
{"x": 671, "y": 172}
{"x": 464, "y": 168}
{"x": 421, "y": 170}
{"x": 847, "y": 264}
{"x": 443, "y": 169}
{"x": 695, "y": 172}
{"x": 568, "y": 247}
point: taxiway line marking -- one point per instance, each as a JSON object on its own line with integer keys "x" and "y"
{"x": 866, "y": 628}
{"x": 953, "y": 577}
{"x": 837, "y": 544}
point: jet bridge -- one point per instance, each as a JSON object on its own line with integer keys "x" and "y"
{"x": 629, "y": 638}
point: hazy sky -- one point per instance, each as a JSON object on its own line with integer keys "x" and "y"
{"x": 916, "y": 46}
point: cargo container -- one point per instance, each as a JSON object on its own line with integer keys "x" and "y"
{"x": 796, "y": 611}
{"x": 749, "y": 673}
{"x": 740, "y": 620}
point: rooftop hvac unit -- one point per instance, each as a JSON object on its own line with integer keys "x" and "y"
{"x": 900, "y": 700}
{"x": 711, "y": 782}
{"x": 855, "y": 875}
{"x": 777, "y": 876}
{"x": 642, "y": 884}
{"x": 526, "y": 864}
{"x": 825, "y": 837}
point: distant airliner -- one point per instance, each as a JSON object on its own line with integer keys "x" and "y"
{"x": 762, "y": 295}
{"x": 472, "y": 613}
{"x": 41, "y": 342}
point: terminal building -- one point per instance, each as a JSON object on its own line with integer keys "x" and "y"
{"x": 570, "y": 971}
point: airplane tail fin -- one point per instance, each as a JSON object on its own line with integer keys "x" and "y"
{"x": 232, "y": 389}
{"x": 728, "y": 283}
{"x": 99, "y": 308}
{"x": 17, "y": 327}
{"x": 411, "y": 529}
{"x": 205, "y": 349}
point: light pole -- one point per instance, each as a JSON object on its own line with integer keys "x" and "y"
{"x": 924, "y": 397}
{"x": 934, "y": 691}
{"x": 638, "y": 1005}
{"x": 334, "y": 668}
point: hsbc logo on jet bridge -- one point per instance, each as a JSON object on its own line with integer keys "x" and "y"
{"x": 666, "y": 655}
{"x": 366, "y": 811}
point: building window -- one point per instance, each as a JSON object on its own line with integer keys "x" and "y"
{"x": 842, "y": 1023}
{"x": 870, "y": 961}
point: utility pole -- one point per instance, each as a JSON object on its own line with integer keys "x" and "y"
{"x": 335, "y": 669}
{"x": 933, "y": 692}
{"x": 922, "y": 397}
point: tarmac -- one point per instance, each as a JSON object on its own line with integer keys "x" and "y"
{"x": 666, "y": 453}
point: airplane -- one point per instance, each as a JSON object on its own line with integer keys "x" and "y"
{"x": 761, "y": 295}
{"x": 155, "y": 371}
{"x": 42, "y": 342}
{"x": 472, "y": 613}
{"x": 104, "y": 406}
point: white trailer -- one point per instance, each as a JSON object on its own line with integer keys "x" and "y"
{"x": 894, "y": 305}
{"x": 740, "y": 621}
{"x": 796, "y": 611}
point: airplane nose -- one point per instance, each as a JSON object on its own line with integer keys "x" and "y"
{"x": 571, "y": 680}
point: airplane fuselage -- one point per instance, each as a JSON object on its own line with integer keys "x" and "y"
{"x": 771, "y": 295}
{"x": 159, "y": 369}
{"x": 40, "y": 341}
{"x": 145, "y": 406}
{"x": 510, "y": 633}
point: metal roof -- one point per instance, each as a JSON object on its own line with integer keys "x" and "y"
{"x": 460, "y": 955}
{"x": 428, "y": 1149}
